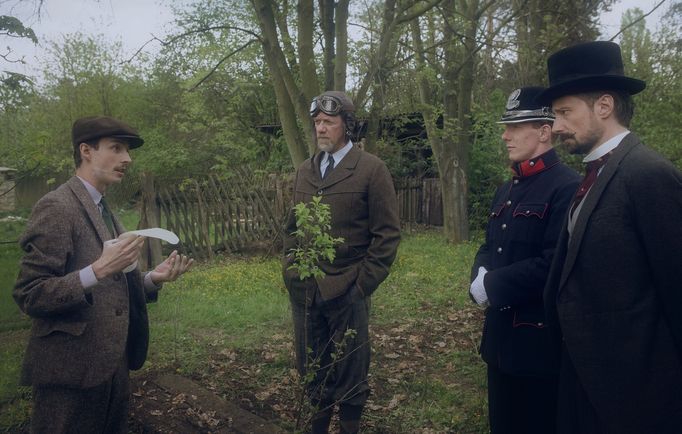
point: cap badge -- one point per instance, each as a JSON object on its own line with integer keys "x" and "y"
{"x": 513, "y": 100}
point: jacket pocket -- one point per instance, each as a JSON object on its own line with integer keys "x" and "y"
{"x": 537, "y": 209}
{"x": 529, "y": 319}
{"x": 42, "y": 328}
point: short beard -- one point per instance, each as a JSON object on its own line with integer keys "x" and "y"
{"x": 585, "y": 146}
{"x": 579, "y": 147}
{"x": 325, "y": 146}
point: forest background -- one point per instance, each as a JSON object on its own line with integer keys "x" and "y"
{"x": 231, "y": 87}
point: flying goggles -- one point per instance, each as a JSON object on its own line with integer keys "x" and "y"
{"x": 327, "y": 104}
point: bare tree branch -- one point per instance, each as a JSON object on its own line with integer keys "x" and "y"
{"x": 217, "y": 65}
{"x": 175, "y": 38}
{"x": 637, "y": 20}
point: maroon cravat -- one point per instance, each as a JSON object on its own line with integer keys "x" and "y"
{"x": 591, "y": 172}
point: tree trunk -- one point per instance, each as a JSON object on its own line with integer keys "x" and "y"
{"x": 341, "y": 59}
{"x": 291, "y": 103}
{"x": 327, "y": 24}
{"x": 309, "y": 81}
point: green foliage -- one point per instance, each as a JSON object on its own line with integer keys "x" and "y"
{"x": 11, "y": 228}
{"x": 489, "y": 163}
{"x": 656, "y": 59}
{"x": 11, "y": 26}
{"x": 313, "y": 223}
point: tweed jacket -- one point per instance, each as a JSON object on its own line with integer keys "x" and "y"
{"x": 525, "y": 222}
{"x": 78, "y": 335}
{"x": 364, "y": 212}
{"x": 614, "y": 289}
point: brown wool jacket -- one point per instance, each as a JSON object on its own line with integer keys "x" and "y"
{"x": 79, "y": 335}
{"x": 364, "y": 212}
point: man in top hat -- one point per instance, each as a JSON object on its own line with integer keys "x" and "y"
{"x": 614, "y": 288}
{"x": 511, "y": 267}
{"x": 89, "y": 318}
{"x": 359, "y": 191}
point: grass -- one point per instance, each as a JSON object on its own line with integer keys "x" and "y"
{"x": 11, "y": 227}
{"x": 227, "y": 325}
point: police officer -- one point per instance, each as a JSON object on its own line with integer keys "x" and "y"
{"x": 511, "y": 267}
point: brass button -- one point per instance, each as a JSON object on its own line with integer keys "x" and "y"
{"x": 504, "y": 226}
{"x": 508, "y": 202}
{"x": 499, "y": 250}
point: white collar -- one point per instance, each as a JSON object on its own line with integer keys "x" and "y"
{"x": 338, "y": 155}
{"x": 605, "y": 147}
{"x": 95, "y": 195}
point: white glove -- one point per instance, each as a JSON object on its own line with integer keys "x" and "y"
{"x": 477, "y": 289}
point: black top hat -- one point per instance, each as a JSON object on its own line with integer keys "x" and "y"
{"x": 95, "y": 127}
{"x": 523, "y": 107}
{"x": 587, "y": 67}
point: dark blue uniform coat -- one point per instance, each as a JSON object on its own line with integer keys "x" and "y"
{"x": 525, "y": 222}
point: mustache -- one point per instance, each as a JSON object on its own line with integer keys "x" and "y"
{"x": 566, "y": 136}
{"x": 114, "y": 170}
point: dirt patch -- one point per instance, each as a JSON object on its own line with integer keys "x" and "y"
{"x": 262, "y": 383}
{"x": 171, "y": 403}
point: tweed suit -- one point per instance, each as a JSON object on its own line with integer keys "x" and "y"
{"x": 364, "y": 212}
{"x": 79, "y": 336}
{"x": 614, "y": 293}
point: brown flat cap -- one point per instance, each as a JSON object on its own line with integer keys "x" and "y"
{"x": 95, "y": 127}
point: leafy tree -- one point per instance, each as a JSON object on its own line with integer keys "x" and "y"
{"x": 656, "y": 59}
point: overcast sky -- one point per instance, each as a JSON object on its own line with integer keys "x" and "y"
{"x": 134, "y": 21}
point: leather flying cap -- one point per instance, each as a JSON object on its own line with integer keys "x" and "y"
{"x": 320, "y": 103}
{"x": 523, "y": 107}
{"x": 95, "y": 127}
{"x": 587, "y": 67}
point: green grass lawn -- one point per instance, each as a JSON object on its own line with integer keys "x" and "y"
{"x": 227, "y": 325}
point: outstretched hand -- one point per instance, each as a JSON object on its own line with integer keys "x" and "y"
{"x": 172, "y": 268}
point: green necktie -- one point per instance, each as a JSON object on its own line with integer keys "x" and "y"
{"x": 106, "y": 216}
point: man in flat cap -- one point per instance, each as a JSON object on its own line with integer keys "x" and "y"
{"x": 89, "y": 315}
{"x": 359, "y": 191}
{"x": 510, "y": 271}
{"x": 614, "y": 289}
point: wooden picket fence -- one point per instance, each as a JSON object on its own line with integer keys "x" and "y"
{"x": 213, "y": 214}
{"x": 420, "y": 201}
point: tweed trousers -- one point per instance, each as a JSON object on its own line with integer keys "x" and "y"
{"x": 100, "y": 409}
{"x": 338, "y": 360}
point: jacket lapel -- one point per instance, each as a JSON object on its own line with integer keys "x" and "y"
{"x": 344, "y": 169}
{"x": 90, "y": 208}
{"x": 592, "y": 199}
